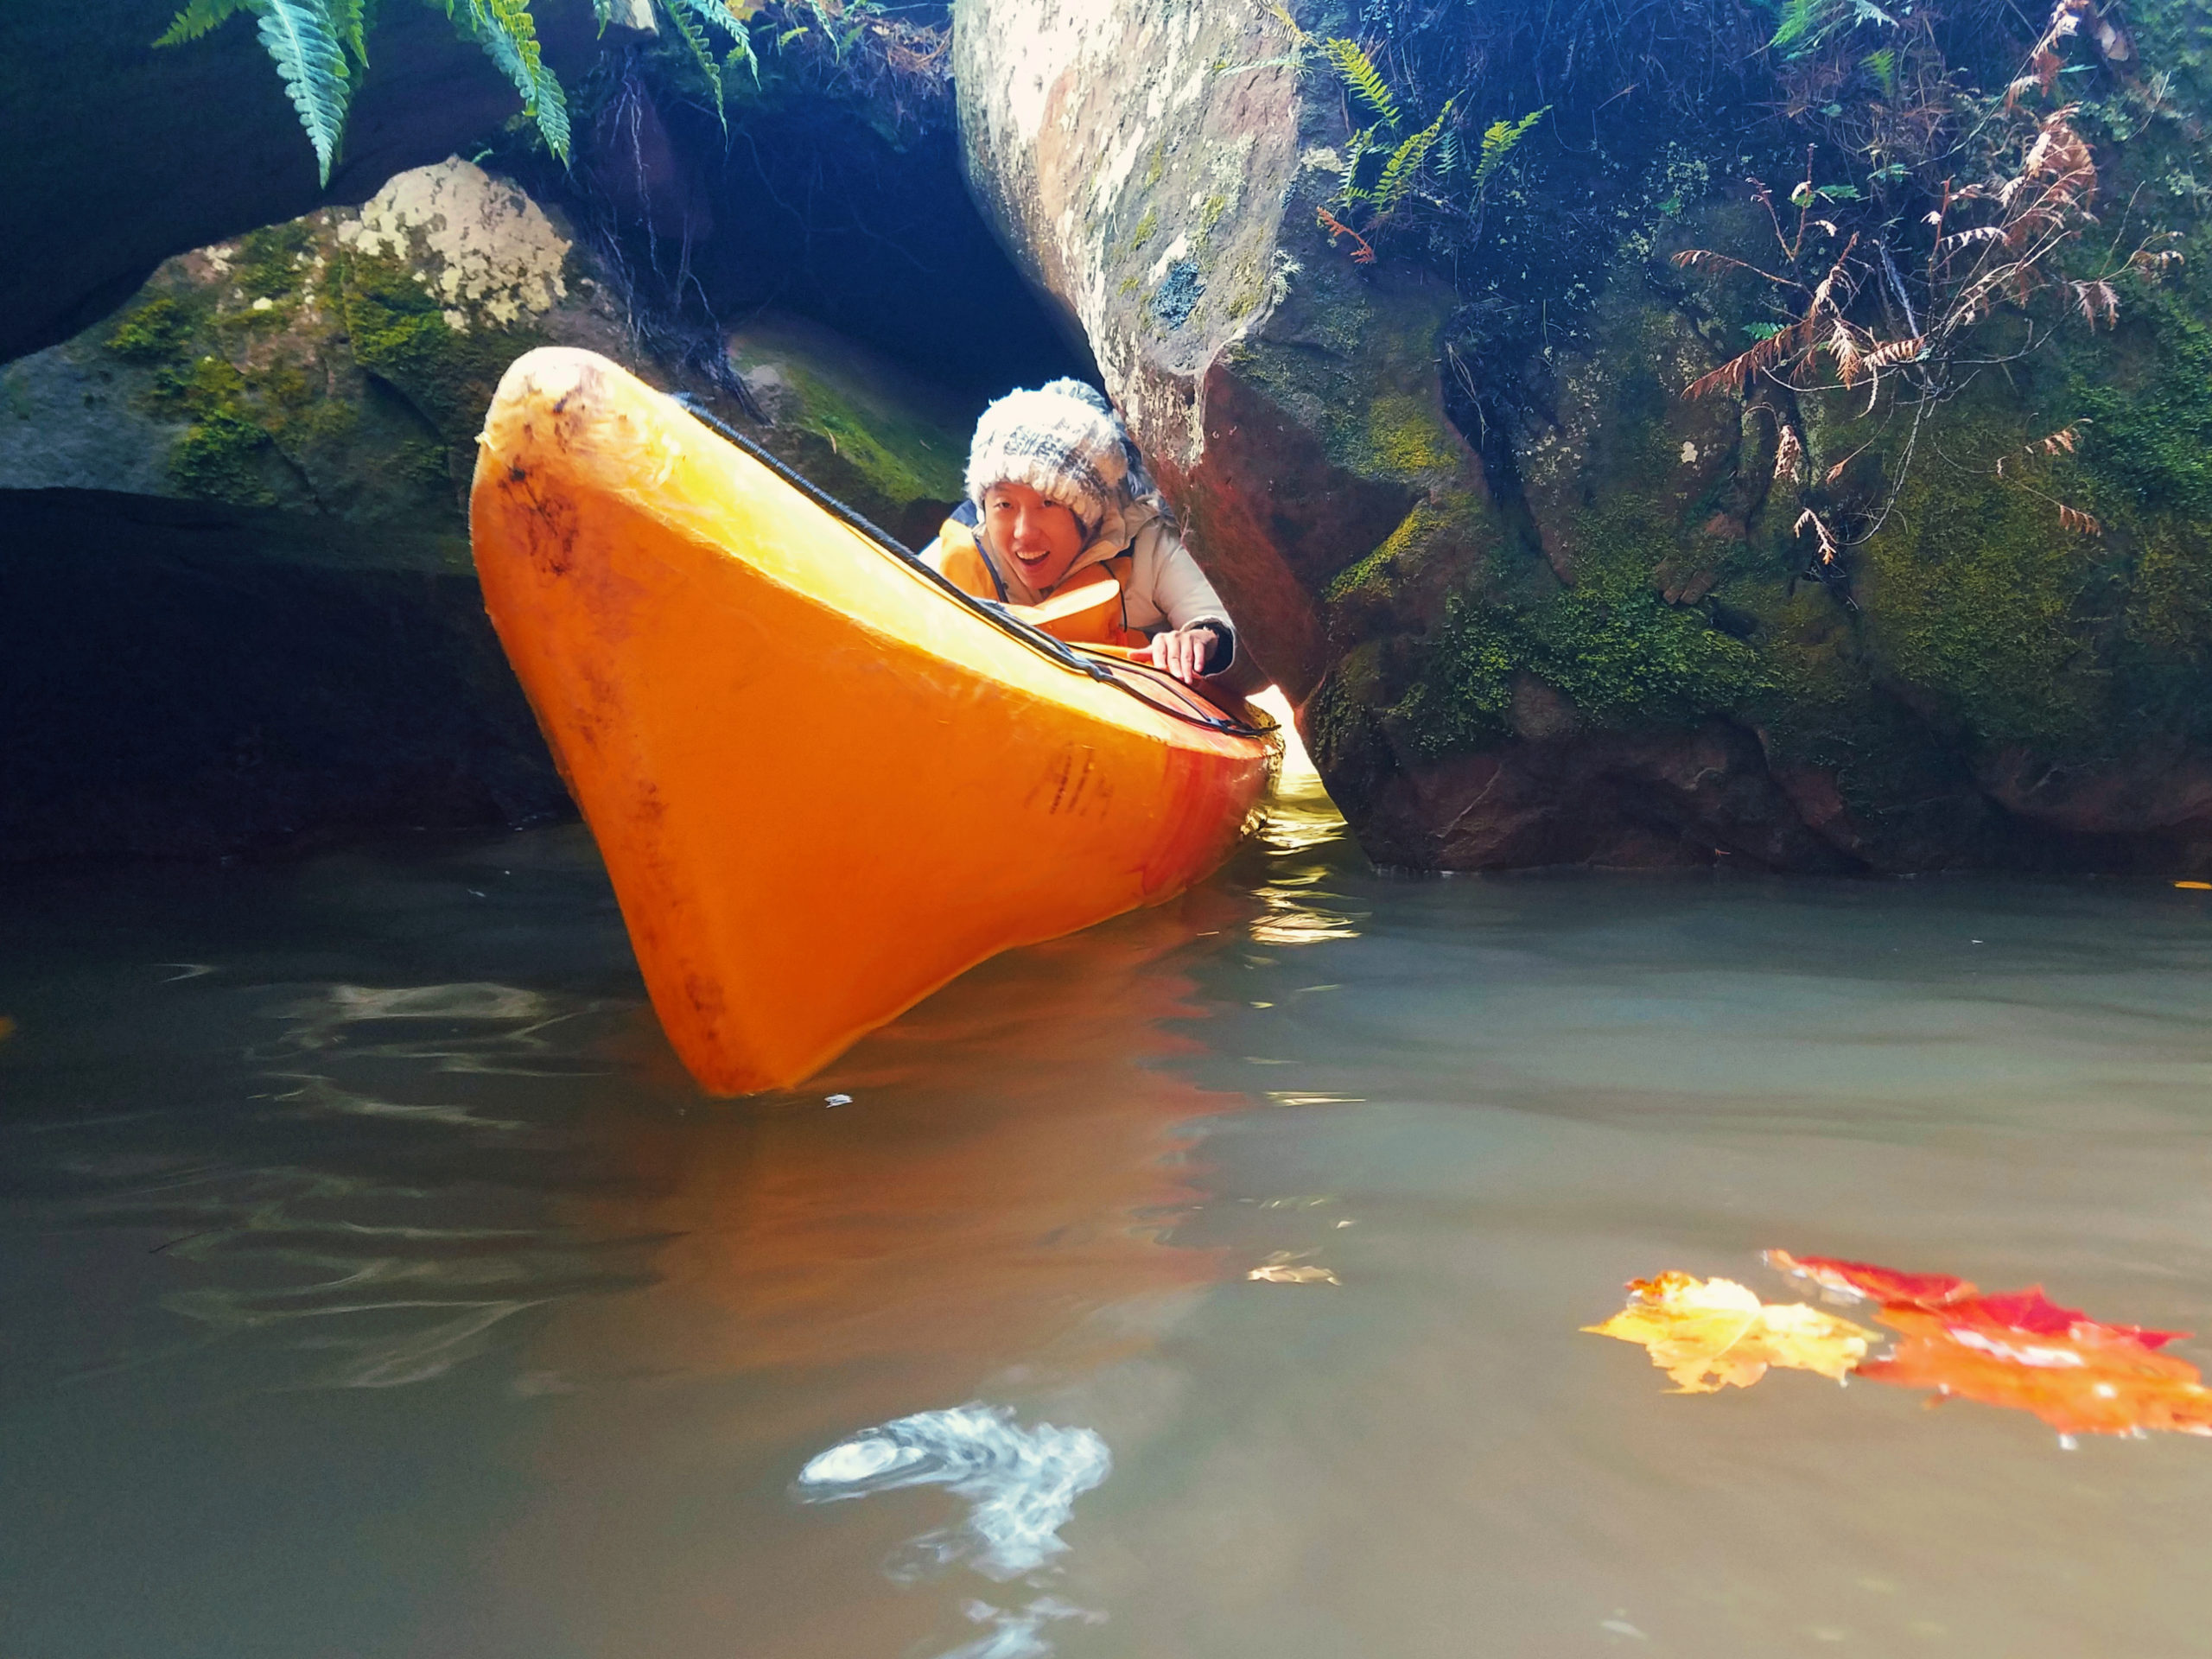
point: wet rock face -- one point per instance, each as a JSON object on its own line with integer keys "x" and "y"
{"x": 191, "y": 680}
{"x": 236, "y": 578}
{"x": 1601, "y": 641}
{"x": 869, "y": 433}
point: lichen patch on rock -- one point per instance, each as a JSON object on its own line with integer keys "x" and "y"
{"x": 480, "y": 244}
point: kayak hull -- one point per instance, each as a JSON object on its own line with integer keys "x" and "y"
{"x": 822, "y": 786}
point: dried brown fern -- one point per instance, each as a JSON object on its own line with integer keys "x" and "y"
{"x": 1828, "y": 555}
{"x": 1736, "y": 373}
{"x": 1362, "y": 253}
{"x": 1788, "y": 456}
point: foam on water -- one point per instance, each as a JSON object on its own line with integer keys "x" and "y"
{"x": 1022, "y": 1484}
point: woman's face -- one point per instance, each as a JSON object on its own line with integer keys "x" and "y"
{"x": 1042, "y": 537}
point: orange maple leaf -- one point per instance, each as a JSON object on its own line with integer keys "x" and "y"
{"x": 2020, "y": 1349}
{"x": 2093, "y": 1379}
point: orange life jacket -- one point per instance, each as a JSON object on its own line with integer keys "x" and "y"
{"x": 1088, "y": 612}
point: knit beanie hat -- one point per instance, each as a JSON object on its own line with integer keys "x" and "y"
{"x": 1064, "y": 441}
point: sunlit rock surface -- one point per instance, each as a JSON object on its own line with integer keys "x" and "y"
{"x": 1596, "y": 642}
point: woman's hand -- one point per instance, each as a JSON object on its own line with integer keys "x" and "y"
{"x": 1182, "y": 651}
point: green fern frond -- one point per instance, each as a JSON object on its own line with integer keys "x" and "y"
{"x": 1408, "y": 159}
{"x": 349, "y": 22}
{"x": 694, "y": 38}
{"x": 1357, "y": 149}
{"x": 297, "y": 35}
{"x": 1801, "y": 21}
{"x": 1807, "y": 24}
{"x": 199, "y": 18}
{"x": 1452, "y": 155}
{"x": 1362, "y": 78}
{"x": 509, "y": 38}
{"x": 1882, "y": 65}
{"x": 1499, "y": 140}
{"x": 1300, "y": 42}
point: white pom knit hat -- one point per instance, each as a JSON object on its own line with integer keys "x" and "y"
{"x": 1064, "y": 441}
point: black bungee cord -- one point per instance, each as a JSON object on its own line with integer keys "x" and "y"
{"x": 991, "y": 611}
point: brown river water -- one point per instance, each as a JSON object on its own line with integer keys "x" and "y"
{"x": 375, "y": 1283}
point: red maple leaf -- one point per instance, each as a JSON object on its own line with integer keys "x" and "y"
{"x": 1862, "y": 1279}
{"x": 2029, "y": 1311}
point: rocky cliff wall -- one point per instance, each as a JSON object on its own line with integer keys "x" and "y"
{"x": 1608, "y": 629}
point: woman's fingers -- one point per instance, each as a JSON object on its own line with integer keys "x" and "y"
{"x": 1169, "y": 652}
{"x": 1179, "y": 651}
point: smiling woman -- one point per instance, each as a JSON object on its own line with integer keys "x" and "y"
{"x": 1063, "y": 522}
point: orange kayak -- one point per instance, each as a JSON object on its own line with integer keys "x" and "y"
{"x": 823, "y": 782}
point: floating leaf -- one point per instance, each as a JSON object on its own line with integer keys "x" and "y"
{"x": 2020, "y": 1349}
{"x": 1707, "y": 1334}
{"x": 1862, "y": 1279}
{"x": 2026, "y": 1312}
{"x": 2087, "y": 1379}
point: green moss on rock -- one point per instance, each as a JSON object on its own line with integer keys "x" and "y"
{"x": 895, "y": 457}
{"x": 272, "y": 262}
{"x": 1617, "y": 651}
{"x": 2149, "y": 441}
{"x": 159, "y": 331}
{"x": 2169, "y": 607}
{"x": 219, "y": 459}
{"x": 223, "y": 451}
{"x": 399, "y": 332}
{"x": 1973, "y": 590}
{"x": 1404, "y": 436}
